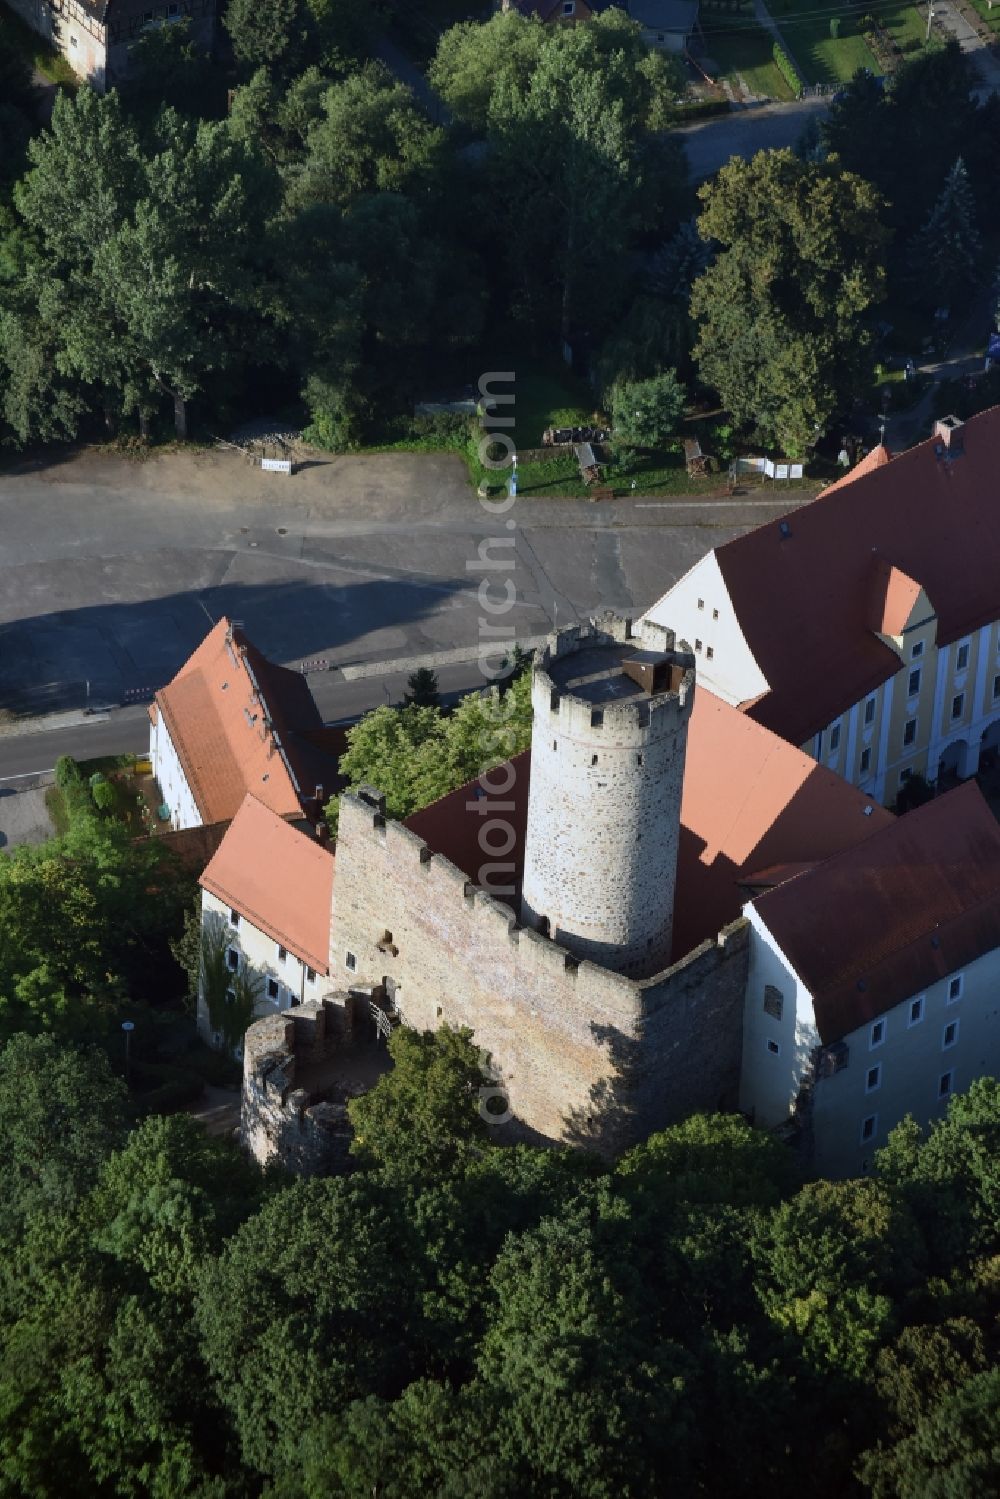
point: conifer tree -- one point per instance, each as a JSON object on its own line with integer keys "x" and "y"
{"x": 945, "y": 255}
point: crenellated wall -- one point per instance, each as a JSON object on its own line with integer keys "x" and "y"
{"x": 280, "y": 1123}
{"x": 584, "y": 1054}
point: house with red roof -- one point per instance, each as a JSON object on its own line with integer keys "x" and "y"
{"x": 232, "y": 723}
{"x": 865, "y": 626}
{"x": 873, "y": 982}
{"x": 267, "y": 894}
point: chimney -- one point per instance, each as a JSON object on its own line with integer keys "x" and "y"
{"x": 948, "y": 436}
{"x": 322, "y": 833}
{"x": 319, "y": 794}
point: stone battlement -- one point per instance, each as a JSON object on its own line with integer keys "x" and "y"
{"x": 608, "y": 703}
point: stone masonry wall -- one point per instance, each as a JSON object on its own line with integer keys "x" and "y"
{"x": 604, "y": 812}
{"x": 278, "y": 1122}
{"x": 584, "y": 1054}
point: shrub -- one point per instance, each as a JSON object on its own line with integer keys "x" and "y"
{"x": 103, "y": 794}
{"x": 783, "y": 63}
{"x": 67, "y": 772}
{"x": 162, "y": 1088}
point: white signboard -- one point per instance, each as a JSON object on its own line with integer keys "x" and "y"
{"x": 781, "y": 470}
{"x": 276, "y": 465}
{"x": 768, "y": 468}
{"x": 795, "y": 471}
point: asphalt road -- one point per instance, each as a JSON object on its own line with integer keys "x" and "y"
{"x": 357, "y": 569}
{"x": 744, "y": 132}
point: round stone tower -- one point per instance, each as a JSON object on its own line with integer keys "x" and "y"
{"x": 611, "y": 706}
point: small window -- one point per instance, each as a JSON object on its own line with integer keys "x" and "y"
{"x": 232, "y": 960}
{"x": 773, "y": 1048}
{"x": 311, "y": 975}
{"x": 944, "y": 1084}
{"x": 715, "y": 613}
{"x": 910, "y": 731}
{"x": 950, "y": 1035}
{"x": 873, "y": 1078}
{"x": 917, "y": 650}
{"x": 638, "y": 759}
{"x": 593, "y": 759}
{"x": 866, "y": 761}
{"x": 958, "y": 705}
{"x": 710, "y": 652}
{"x": 555, "y": 744}
{"x": 73, "y": 42}
{"x": 868, "y": 1128}
{"x": 877, "y": 1035}
{"x": 963, "y": 658}
{"x": 916, "y": 1011}
{"x": 697, "y": 645}
{"x": 351, "y": 962}
{"x": 834, "y": 738}
{"x": 234, "y": 918}
{"x": 996, "y": 686}
{"x": 913, "y": 686}
{"x": 955, "y": 989}
{"x": 273, "y": 988}
{"x": 701, "y": 603}
{"x": 596, "y": 718}
{"x": 774, "y": 1001}
{"x": 282, "y": 953}
{"x": 568, "y": 7}
{"x": 870, "y": 711}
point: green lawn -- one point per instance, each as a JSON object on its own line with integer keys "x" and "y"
{"x": 15, "y": 36}
{"x": 744, "y": 48}
{"x": 991, "y": 17}
{"x": 831, "y": 60}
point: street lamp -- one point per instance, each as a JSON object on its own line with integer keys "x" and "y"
{"x": 128, "y": 1027}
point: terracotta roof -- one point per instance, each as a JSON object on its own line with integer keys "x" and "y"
{"x": 217, "y": 710}
{"x": 892, "y": 597}
{"x": 803, "y": 598}
{"x": 877, "y": 458}
{"x": 750, "y": 802}
{"x": 279, "y": 879}
{"x": 879, "y": 922}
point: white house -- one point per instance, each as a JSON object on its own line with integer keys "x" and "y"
{"x": 874, "y": 982}
{"x": 268, "y": 891}
{"x": 231, "y": 722}
{"x": 865, "y": 626}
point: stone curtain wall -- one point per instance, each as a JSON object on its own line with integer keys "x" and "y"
{"x": 584, "y": 1054}
{"x": 278, "y": 1122}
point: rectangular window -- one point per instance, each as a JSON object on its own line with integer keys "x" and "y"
{"x": 311, "y": 975}
{"x": 350, "y": 962}
{"x": 715, "y": 613}
{"x": 868, "y": 1128}
{"x": 877, "y": 1035}
{"x": 234, "y": 918}
{"x": 955, "y": 989}
{"x": 710, "y": 652}
{"x": 773, "y": 1048}
{"x": 597, "y": 718}
{"x": 958, "y": 705}
{"x": 870, "y": 711}
{"x": 697, "y": 645}
{"x": 272, "y": 988}
{"x": 774, "y": 1001}
{"x": 913, "y": 686}
{"x": 963, "y": 658}
{"x": 701, "y": 603}
{"x": 917, "y": 650}
{"x": 996, "y": 686}
{"x": 834, "y": 738}
{"x": 73, "y": 42}
{"x": 950, "y": 1035}
{"x": 944, "y": 1084}
{"x": 873, "y": 1079}
{"x": 916, "y": 1011}
{"x": 232, "y": 959}
{"x": 866, "y": 760}
{"x": 282, "y": 953}
{"x": 909, "y": 731}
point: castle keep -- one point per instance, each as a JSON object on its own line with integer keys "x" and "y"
{"x": 597, "y": 1037}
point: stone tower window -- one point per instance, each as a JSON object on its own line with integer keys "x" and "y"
{"x": 593, "y": 759}
{"x": 774, "y": 1001}
{"x": 596, "y": 718}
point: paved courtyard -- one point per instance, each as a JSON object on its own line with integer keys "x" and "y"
{"x": 24, "y": 817}
{"x": 111, "y": 571}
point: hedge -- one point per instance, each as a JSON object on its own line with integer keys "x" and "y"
{"x": 783, "y": 63}
{"x": 699, "y": 110}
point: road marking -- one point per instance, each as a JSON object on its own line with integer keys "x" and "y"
{"x": 28, "y": 774}
{"x": 738, "y": 503}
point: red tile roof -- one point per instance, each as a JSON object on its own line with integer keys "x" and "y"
{"x": 281, "y": 880}
{"x": 750, "y": 802}
{"x": 239, "y": 723}
{"x": 803, "y": 599}
{"x": 876, "y": 924}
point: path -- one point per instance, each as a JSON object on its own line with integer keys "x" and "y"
{"x": 964, "y": 356}
{"x": 711, "y": 143}
{"x": 949, "y": 16}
